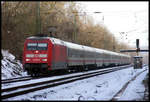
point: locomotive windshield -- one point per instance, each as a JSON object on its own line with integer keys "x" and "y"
{"x": 37, "y": 46}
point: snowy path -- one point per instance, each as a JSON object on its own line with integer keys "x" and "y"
{"x": 125, "y": 87}
{"x": 135, "y": 90}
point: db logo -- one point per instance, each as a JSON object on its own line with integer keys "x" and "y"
{"x": 36, "y": 59}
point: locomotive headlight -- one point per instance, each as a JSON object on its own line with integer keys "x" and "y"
{"x": 44, "y": 59}
{"x": 27, "y": 59}
{"x": 29, "y": 55}
{"x": 42, "y": 55}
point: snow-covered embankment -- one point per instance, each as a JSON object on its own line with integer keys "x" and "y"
{"x": 10, "y": 67}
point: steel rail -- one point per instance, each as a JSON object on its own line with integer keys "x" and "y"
{"x": 16, "y": 79}
{"x": 19, "y": 79}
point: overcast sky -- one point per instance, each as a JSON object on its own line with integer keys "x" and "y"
{"x": 130, "y": 17}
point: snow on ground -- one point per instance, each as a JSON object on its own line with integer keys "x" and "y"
{"x": 10, "y": 67}
{"x": 102, "y": 87}
{"x": 135, "y": 90}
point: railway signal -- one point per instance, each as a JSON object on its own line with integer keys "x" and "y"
{"x": 137, "y": 59}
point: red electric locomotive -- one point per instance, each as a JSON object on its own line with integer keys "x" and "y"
{"x": 42, "y": 54}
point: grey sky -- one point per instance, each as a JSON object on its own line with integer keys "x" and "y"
{"x": 130, "y": 17}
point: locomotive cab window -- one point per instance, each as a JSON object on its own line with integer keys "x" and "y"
{"x": 31, "y": 46}
{"x": 42, "y": 46}
{"x": 37, "y": 46}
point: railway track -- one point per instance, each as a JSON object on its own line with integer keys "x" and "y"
{"x": 19, "y": 79}
{"x": 16, "y": 79}
{"x": 24, "y": 89}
